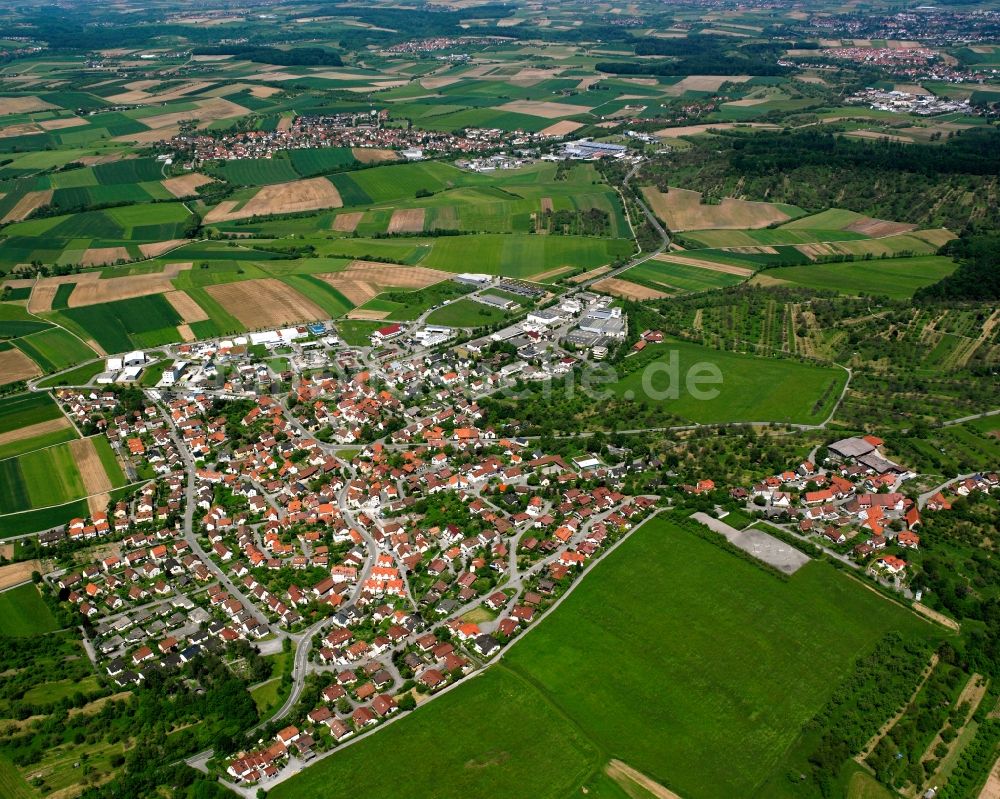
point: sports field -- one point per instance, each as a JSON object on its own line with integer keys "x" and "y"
{"x": 23, "y": 613}
{"x": 723, "y": 662}
{"x": 752, "y": 389}
{"x": 897, "y": 278}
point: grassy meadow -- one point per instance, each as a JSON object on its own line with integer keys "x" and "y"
{"x": 752, "y": 388}
{"x": 718, "y": 656}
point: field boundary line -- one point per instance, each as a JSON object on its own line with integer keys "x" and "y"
{"x": 62, "y": 504}
{"x": 286, "y": 774}
{"x": 47, "y": 446}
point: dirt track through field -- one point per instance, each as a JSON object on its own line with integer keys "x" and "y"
{"x": 185, "y": 185}
{"x": 265, "y": 302}
{"x": 622, "y": 773}
{"x": 282, "y": 198}
{"x": 33, "y": 430}
{"x": 627, "y": 290}
{"x": 407, "y": 220}
{"x": 590, "y": 275}
{"x": 28, "y": 203}
{"x": 363, "y": 280}
{"x": 347, "y": 223}
{"x": 15, "y": 365}
{"x": 95, "y": 479}
{"x": 710, "y": 265}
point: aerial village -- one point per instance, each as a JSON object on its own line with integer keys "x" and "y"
{"x": 355, "y": 502}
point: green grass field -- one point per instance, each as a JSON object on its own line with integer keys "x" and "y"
{"x": 466, "y": 313}
{"x": 119, "y": 326}
{"x": 897, "y": 278}
{"x": 39, "y": 479}
{"x": 522, "y": 255}
{"x": 753, "y": 389}
{"x": 15, "y": 448}
{"x": 12, "y": 784}
{"x": 54, "y": 349}
{"x": 22, "y": 410}
{"x": 711, "y": 655}
{"x": 679, "y": 277}
{"x": 24, "y": 613}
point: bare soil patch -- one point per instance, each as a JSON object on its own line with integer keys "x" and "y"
{"x": 372, "y": 316}
{"x": 15, "y": 365}
{"x": 363, "y": 280}
{"x": 627, "y": 290}
{"x": 28, "y": 203}
{"x": 185, "y": 185}
{"x": 32, "y": 430}
{"x": 263, "y": 92}
{"x": 21, "y": 129}
{"x": 157, "y": 248}
{"x": 207, "y": 111}
{"x": 877, "y": 228}
{"x": 407, "y": 220}
{"x": 283, "y": 198}
{"x": 703, "y": 83}
{"x": 62, "y": 124}
{"x": 559, "y": 270}
{"x": 694, "y": 130}
{"x": 184, "y": 304}
{"x": 373, "y": 155}
{"x": 23, "y": 105}
{"x": 96, "y": 256}
{"x": 682, "y": 209}
{"x": 150, "y": 136}
{"x": 715, "y": 267}
{"x": 17, "y": 573}
{"x": 92, "y": 290}
{"x": 546, "y": 204}
{"x": 347, "y": 223}
{"x": 590, "y": 275}
{"x": 265, "y": 302}
{"x": 562, "y": 128}
{"x": 186, "y": 333}
{"x": 95, "y": 479}
{"x": 544, "y": 109}
{"x": 626, "y": 776}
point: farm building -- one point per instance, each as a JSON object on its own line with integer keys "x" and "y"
{"x": 385, "y": 333}
{"x": 474, "y": 279}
